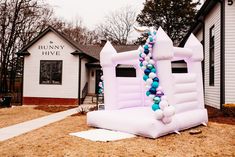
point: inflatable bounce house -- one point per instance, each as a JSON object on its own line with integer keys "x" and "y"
{"x": 156, "y": 102}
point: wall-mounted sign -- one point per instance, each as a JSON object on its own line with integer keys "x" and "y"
{"x": 50, "y": 49}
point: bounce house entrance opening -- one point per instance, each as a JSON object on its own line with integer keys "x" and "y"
{"x": 123, "y": 70}
{"x": 179, "y": 66}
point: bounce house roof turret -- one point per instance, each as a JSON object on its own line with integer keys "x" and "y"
{"x": 164, "y": 45}
{"x": 194, "y": 44}
{"x": 106, "y": 54}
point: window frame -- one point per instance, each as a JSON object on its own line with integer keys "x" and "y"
{"x": 61, "y": 74}
{"x": 212, "y": 56}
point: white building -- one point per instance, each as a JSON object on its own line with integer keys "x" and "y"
{"x": 215, "y": 28}
{"x": 58, "y": 71}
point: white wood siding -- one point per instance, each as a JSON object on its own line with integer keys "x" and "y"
{"x": 69, "y": 86}
{"x": 212, "y": 93}
{"x": 229, "y": 53}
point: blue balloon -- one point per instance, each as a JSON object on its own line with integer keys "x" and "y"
{"x": 156, "y": 79}
{"x": 148, "y": 93}
{"x": 152, "y": 90}
{"x": 146, "y": 51}
{"x": 153, "y": 70}
{"x": 155, "y": 84}
{"x": 155, "y": 107}
{"x": 147, "y": 71}
{"x": 145, "y": 77}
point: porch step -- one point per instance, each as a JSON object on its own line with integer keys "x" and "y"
{"x": 88, "y": 100}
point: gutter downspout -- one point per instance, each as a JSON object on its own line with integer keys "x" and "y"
{"x": 222, "y": 54}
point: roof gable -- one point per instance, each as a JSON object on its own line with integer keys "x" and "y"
{"x": 78, "y": 51}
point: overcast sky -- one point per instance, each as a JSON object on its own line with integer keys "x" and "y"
{"x": 92, "y": 12}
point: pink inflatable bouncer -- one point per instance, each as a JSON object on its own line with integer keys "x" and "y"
{"x": 156, "y": 102}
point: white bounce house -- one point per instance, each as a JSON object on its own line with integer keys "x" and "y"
{"x": 128, "y": 109}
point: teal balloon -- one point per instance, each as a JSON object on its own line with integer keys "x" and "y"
{"x": 153, "y": 70}
{"x": 140, "y": 54}
{"x": 150, "y": 39}
{"x": 148, "y": 93}
{"x": 154, "y": 32}
{"x": 150, "y": 66}
{"x": 145, "y": 77}
{"x": 146, "y": 47}
{"x": 155, "y": 84}
{"x": 141, "y": 64}
{"x": 156, "y": 99}
{"x": 149, "y": 33}
{"x": 155, "y": 107}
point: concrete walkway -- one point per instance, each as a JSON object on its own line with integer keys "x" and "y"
{"x": 21, "y": 128}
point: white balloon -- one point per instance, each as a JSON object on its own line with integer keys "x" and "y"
{"x": 158, "y": 114}
{"x": 149, "y": 54}
{"x": 151, "y": 61}
{"x": 150, "y": 49}
{"x": 169, "y": 111}
{"x": 152, "y": 75}
{"x": 166, "y": 120}
{"x": 143, "y": 68}
{"x": 147, "y": 41}
{"x": 145, "y": 63}
{"x": 159, "y": 88}
{"x": 147, "y": 58}
{"x": 102, "y": 77}
{"x": 163, "y": 104}
{"x": 164, "y": 97}
{"x": 151, "y": 96}
{"x": 149, "y": 81}
{"x": 143, "y": 55}
{"x": 147, "y": 87}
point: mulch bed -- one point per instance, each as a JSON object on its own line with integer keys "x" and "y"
{"x": 220, "y": 116}
{"x": 53, "y": 109}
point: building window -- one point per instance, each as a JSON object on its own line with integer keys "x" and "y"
{"x": 212, "y": 57}
{"x": 50, "y": 72}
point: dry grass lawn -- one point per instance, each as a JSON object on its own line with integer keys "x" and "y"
{"x": 53, "y": 140}
{"x": 18, "y": 114}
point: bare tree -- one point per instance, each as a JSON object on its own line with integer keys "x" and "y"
{"x": 76, "y": 31}
{"x": 20, "y": 21}
{"x": 117, "y": 26}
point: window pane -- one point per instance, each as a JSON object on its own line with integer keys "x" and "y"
{"x": 50, "y": 72}
{"x": 211, "y": 57}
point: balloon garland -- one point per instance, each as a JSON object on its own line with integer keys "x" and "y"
{"x": 163, "y": 111}
{"x": 101, "y": 85}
